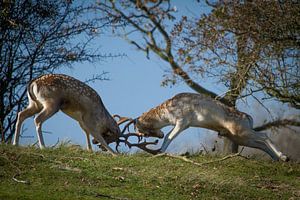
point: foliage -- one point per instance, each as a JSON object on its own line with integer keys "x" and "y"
{"x": 248, "y": 47}
{"x": 252, "y": 45}
{"x": 38, "y": 37}
{"x": 71, "y": 173}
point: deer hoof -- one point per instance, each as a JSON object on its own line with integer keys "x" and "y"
{"x": 284, "y": 158}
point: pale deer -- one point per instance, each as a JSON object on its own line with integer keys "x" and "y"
{"x": 50, "y": 93}
{"x": 195, "y": 110}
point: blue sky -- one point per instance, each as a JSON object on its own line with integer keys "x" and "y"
{"x": 133, "y": 88}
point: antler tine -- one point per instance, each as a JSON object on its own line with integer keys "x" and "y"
{"x": 118, "y": 144}
{"x": 128, "y": 124}
{"x": 143, "y": 146}
{"x": 116, "y": 115}
{"x": 121, "y": 119}
{"x": 138, "y": 135}
{"x": 124, "y": 141}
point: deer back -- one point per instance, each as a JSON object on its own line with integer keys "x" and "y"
{"x": 75, "y": 98}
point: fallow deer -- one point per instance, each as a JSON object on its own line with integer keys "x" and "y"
{"x": 50, "y": 93}
{"x": 196, "y": 110}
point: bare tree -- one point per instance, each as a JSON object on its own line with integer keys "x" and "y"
{"x": 217, "y": 45}
{"x": 38, "y": 37}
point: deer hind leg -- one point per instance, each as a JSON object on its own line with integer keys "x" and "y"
{"x": 261, "y": 141}
{"x": 262, "y": 146}
{"x": 87, "y": 133}
{"x": 179, "y": 127}
{"x": 26, "y": 113}
{"x": 275, "y": 150}
{"x": 49, "y": 109}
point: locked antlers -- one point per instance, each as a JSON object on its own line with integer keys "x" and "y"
{"x": 142, "y": 145}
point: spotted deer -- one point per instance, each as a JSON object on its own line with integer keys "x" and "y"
{"x": 196, "y": 110}
{"x": 50, "y": 93}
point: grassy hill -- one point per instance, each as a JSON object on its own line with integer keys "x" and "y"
{"x": 72, "y": 173}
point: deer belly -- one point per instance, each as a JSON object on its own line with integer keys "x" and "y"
{"x": 206, "y": 121}
{"x": 73, "y": 113}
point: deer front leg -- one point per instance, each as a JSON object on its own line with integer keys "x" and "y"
{"x": 179, "y": 127}
{"x": 103, "y": 143}
{"x": 87, "y": 133}
{"x": 88, "y": 142}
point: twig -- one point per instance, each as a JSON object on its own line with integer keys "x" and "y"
{"x": 34, "y": 143}
{"x": 57, "y": 142}
{"x": 18, "y": 172}
{"x": 185, "y": 159}
{"x": 98, "y": 77}
{"x": 19, "y": 181}
{"x": 73, "y": 157}
{"x": 218, "y": 97}
{"x": 204, "y": 148}
{"x": 66, "y": 167}
{"x": 35, "y": 154}
{"x": 272, "y": 117}
{"x": 47, "y": 132}
{"x": 110, "y": 197}
{"x": 226, "y": 157}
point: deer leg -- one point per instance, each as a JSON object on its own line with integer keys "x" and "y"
{"x": 101, "y": 140}
{"x": 179, "y": 127}
{"x": 262, "y": 146}
{"x": 88, "y": 141}
{"x": 270, "y": 148}
{"x": 274, "y": 149}
{"x": 26, "y": 113}
{"x": 48, "y": 111}
{"x": 262, "y": 142}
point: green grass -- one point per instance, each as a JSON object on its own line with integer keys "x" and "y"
{"x": 72, "y": 173}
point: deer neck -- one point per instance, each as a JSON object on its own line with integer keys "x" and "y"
{"x": 154, "y": 118}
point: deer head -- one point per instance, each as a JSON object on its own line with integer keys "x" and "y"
{"x": 123, "y": 138}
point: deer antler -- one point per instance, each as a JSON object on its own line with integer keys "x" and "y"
{"x": 132, "y": 121}
{"x": 138, "y": 135}
{"x": 121, "y": 119}
{"x": 142, "y": 146}
{"x": 125, "y": 140}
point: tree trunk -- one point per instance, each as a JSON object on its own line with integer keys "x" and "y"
{"x": 238, "y": 83}
{"x": 229, "y": 146}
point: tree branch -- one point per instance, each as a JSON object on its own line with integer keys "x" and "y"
{"x": 277, "y": 124}
{"x": 167, "y": 56}
{"x": 185, "y": 159}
